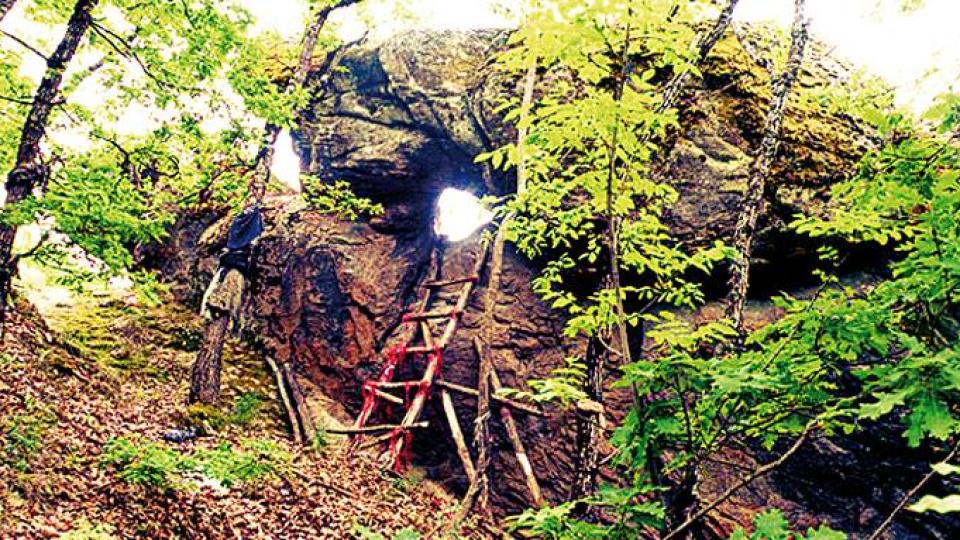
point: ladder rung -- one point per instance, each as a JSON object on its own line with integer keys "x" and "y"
{"x": 421, "y": 349}
{"x": 399, "y": 384}
{"x": 449, "y": 282}
{"x": 431, "y": 315}
{"x": 376, "y": 429}
{"x": 388, "y": 397}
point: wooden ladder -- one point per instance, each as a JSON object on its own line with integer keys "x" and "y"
{"x": 378, "y": 390}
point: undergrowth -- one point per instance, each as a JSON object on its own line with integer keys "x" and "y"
{"x": 156, "y": 465}
{"x": 23, "y": 434}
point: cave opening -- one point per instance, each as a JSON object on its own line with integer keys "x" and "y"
{"x": 459, "y": 215}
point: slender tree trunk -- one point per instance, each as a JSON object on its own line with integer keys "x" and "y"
{"x": 745, "y": 231}
{"x": 589, "y": 432}
{"x": 480, "y": 487}
{"x": 704, "y": 46}
{"x": 5, "y": 6}
{"x": 613, "y": 222}
{"x": 205, "y": 378}
{"x": 261, "y": 175}
{"x": 205, "y": 381}
{"x": 29, "y": 170}
{"x": 588, "y": 426}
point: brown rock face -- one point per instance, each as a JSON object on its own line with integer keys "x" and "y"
{"x": 402, "y": 122}
{"x": 328, "y": 296}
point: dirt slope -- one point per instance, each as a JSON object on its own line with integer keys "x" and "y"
{"x": 104, "y": 370}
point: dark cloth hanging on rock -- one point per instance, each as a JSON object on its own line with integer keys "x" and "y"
{"x": 236, "y": 260}
{"x": 245, "y": 228}
{"x": 244, "y": 231}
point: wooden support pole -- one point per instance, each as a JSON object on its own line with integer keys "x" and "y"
{"x": 374, "y": 441}
{"x": 388, "y": 397}
{"x": 449, "y": 282}
{"x": 443, "y": 314}
{"x": 285, "y": 400}
{"x": 397, "y": 384}
{"x": 518, "y": 448}
{"x": 457, "y": 435}
{"x": 301, "y": 407}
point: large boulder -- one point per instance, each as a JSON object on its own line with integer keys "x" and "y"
{"x": 404, "y": 120}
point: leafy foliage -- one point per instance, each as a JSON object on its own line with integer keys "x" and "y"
{"x": 196, "y": 78}
{"x": 561, "y": 215}
{"x": 771, "y": 525}
{"x": 86, "y": 531}
{"x": 631, "y": 510}
{"x": 23, "y": 435}
{"x": 158, "y": 466}
{"x": 845, "y": 355}
{"x": 367, "y": 534}
{"x": 339, "y": 199}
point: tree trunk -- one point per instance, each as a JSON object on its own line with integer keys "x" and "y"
{"x": 480, "y": 486}
{"x": 588, "y": 427}
{"x": 5, "y": 6}
{"x": 704, "y": 46}
{"x": 205, "y": 382}
{"x": 205, "y": 379}
{"x": 745, "y": 231}
{"x": 29, "y": 170}
{"x": 589, "y": 433}
{"x": 261, "y": 174}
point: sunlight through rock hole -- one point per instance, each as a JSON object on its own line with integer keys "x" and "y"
{"x": 459, "y": 215}
{"x": 286, "y": 162}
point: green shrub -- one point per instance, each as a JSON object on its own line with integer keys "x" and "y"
{"x": 320, "y": 441}
{"x": 85, "y": 531}
{"x": 154, "y": 465}
{"x": 186, "y": 339}
{"x": 771, "y": 525}
{"x": 257, "y": 459}
{"x": 244, "y": 410}
{"x": 147, "y": 464}
{"x": 23, "y": 435}
{"x": 368, "y": 534}
{"x": 246, "y": 407}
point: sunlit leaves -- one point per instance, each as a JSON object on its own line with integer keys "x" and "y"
{"x": 337, "y": 198}
{"x": 772, "y": 525}
{"x": 941, "y": 505}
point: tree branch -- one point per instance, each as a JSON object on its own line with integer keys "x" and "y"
{"x": 111, "y": 38}
{"x": 26, "y": 45}
{"x": 757, "y": 473}
{"x": 910, "y": 494}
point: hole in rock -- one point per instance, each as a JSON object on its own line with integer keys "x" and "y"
{"x": 459, "y": 214}
{"x": 286, "y": 162}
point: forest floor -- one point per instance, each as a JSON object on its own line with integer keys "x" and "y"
{"x": 88, "y": 387}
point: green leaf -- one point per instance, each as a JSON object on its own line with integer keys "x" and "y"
{"x": 944, "y": 505}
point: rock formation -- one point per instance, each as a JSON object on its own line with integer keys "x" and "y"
{"x": 403, "y": 120}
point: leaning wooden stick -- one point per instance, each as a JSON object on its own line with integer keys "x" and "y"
{"x": 285, "y": 399}
{"x": 376, "y": 429}
{"x": 514, "y": 434}
{"x": 301, "y": 406}
{"x": 457, "y": 435}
